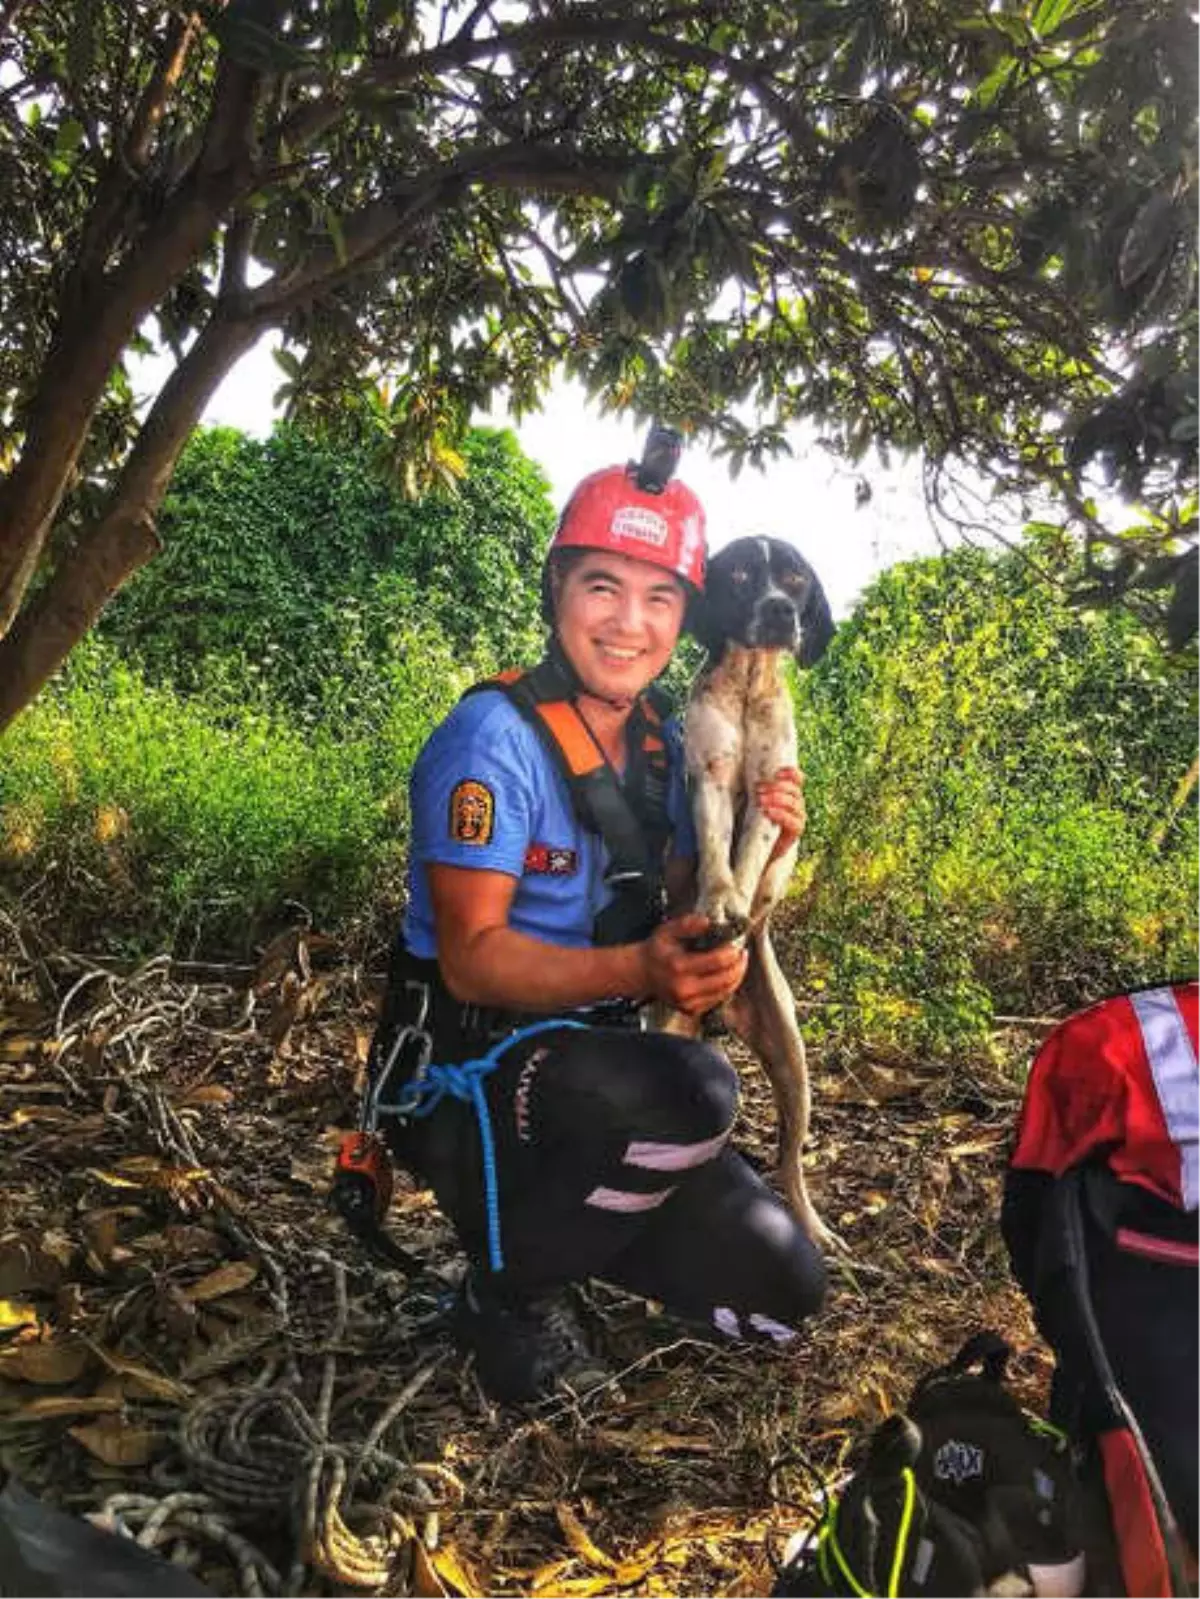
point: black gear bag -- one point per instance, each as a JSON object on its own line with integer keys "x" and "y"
{"x": 962, "y": 1491}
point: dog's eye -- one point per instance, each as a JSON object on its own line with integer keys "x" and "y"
{"x": 738, "y": 575}
{"x": 792, "y": 581}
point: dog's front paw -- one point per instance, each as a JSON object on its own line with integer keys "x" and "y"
{"x": 714, "y": 936}
{"x": 728, "y": 912}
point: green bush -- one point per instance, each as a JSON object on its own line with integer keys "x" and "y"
{"x": 986, "y": 771}
{"x": 292, "y": 568}
{"x": 134, "y": 818}
{"x": 236, "y": 744}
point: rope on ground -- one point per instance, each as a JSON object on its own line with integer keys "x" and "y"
{"x": 129, "y": 1010}
{"x": 175, "y": 1524}
{"x": 256, "y": 1452}
{"x": 262, "y": 1452}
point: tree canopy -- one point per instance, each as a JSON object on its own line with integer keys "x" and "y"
{"x": 941, "y": 224}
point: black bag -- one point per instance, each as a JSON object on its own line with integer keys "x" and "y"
{"x": 963, "y": 1490}
{"x": 46, "y": 1552}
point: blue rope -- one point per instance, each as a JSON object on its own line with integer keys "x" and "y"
{"x": 464, "y": 1080}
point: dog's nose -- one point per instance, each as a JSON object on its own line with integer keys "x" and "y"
{"x": 778, "y": 612}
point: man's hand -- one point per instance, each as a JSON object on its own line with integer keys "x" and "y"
{"x": 689, "y": 980}
{"x": 781, "y": 800}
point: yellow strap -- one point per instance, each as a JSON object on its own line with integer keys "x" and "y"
{"x": 828, "y": 1536}
{"x": 906, "y": 1519}
{"x": 1044, "y": 1429}
{"x": 843, "y": 1564}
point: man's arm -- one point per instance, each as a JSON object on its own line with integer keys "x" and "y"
{"x": 484, "y": 961}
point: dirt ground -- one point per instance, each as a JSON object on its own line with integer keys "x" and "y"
{"x": 191, "y": 1341}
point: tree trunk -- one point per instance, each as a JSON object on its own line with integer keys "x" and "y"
{"x": 86, "y": 348}
{"x": 106, "y": 555}
{"x": 98, "y": 316}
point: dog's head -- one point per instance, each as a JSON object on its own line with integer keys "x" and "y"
{"x": 762, "y": 593}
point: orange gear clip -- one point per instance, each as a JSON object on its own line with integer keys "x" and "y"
{"x": 364, "y": 1175}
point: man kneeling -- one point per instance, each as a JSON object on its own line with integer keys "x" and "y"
{"x": 551, "y": 845}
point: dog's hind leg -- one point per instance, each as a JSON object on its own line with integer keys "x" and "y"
{"x": 763, "y": 1014}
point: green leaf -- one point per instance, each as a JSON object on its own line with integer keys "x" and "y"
{"x": 994, "y": 84}
{"x": 333, "y": 226}
{"x": 68, "y": 139}
{"x": 1051, "y": 14}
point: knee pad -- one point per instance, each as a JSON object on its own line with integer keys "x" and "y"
{"x": 696, "y": 1081}
{"x": 652, "y": 1084}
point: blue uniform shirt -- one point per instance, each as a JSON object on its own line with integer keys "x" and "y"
{"x": 485, "y": 794}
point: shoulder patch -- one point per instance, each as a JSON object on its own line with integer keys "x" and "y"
{"x": 472, "y": 813}
{"x": 550, "y": 860}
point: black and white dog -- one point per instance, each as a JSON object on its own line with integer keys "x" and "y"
{"x": 762, "y": 601}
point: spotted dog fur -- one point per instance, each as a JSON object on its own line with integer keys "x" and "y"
{"x": 762, "y": 602}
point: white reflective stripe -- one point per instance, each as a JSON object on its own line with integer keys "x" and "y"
{"x": 775, "y": 1330}
{"x": 618, "y": 1199}
{"x": 1062, "y": 1581}
{"x": 1172, "y": 1060}
{"x": 673, "y": 1157}
{"x": 725, "y": 1320}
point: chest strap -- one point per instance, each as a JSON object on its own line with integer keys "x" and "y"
{"x": 630, "y": 817}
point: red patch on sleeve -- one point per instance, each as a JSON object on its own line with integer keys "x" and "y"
{"x": 548, "y": 860}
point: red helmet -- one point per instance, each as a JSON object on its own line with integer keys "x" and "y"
{"x": 608, "y": 511}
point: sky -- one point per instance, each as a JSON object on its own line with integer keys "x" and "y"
{"x": 808, "y": 498}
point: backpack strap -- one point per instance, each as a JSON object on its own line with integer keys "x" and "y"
{"x": 1150, "y": 1545}
{"x": 631, "y": 817}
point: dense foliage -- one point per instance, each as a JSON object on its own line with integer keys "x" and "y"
{"x": 991, "y": 777}
{"x": 134, "y": 818}
{"x": 992, "y": 783}
{"x": 951, "y": 223}
{"x": 296, "y": 570}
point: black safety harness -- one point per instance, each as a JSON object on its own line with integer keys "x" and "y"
{"x": 630, "y": 816}
{"x": 422, "y": 1022}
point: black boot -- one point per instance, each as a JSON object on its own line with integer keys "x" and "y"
{"x": 525, "y": 1349}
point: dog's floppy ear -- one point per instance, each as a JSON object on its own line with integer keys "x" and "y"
{"x": 816, "y": 627}
{"x": 700, "y": 622}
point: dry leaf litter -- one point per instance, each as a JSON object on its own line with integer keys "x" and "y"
{"x": 193, "y": 1348}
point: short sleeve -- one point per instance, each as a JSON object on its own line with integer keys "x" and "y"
{"x": 472, "y": 791}
{"x": 679, "y": 805}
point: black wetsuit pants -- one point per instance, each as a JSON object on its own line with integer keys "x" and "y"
{"x": 613, "y": 1162}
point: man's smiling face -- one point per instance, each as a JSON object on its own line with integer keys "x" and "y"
{"x": 618, "y": 621}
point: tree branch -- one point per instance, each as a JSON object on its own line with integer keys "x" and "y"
{"x": 182, "y": 33}
{"x": 130, "y": 158}
{"x": 617, "y": 27}
{"x": 378, "y": 228}
{"x": 238, "y": 243}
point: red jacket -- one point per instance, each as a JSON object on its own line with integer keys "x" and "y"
{"x": 1121, "y": 1080}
